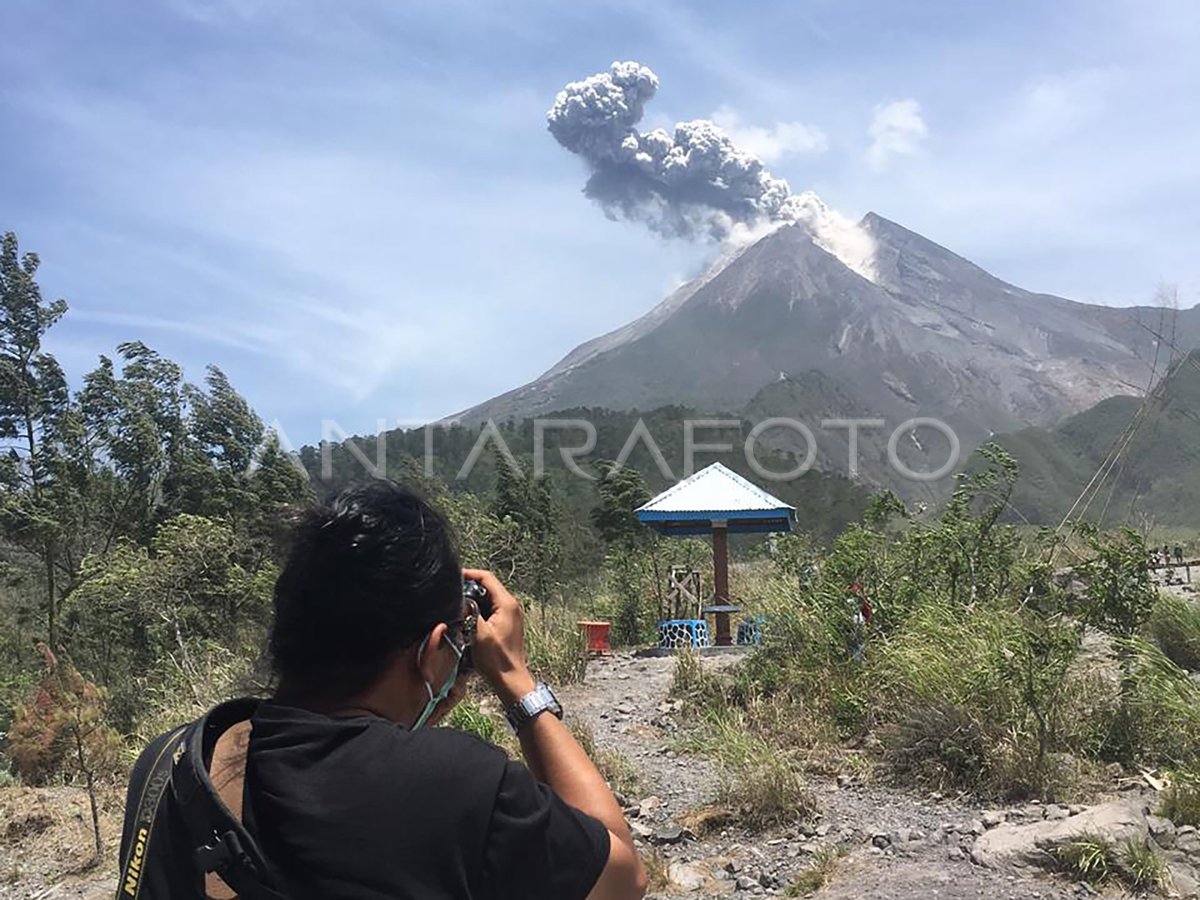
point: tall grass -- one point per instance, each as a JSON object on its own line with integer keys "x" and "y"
{"x": 1096, "y": 860}
{"x": 555, "y": 645}
{"x": 762, "y": 783}
{"x": 1175, "y": 627}
{"x": 1181, "y": 802}
{"x": 1164, "y": 709}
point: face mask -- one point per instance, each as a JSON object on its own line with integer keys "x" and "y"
{"x": 435, "y": 699}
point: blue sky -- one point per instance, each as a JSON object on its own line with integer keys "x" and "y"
{"x": 355, "y": 210}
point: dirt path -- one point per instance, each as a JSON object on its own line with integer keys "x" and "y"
{"x": 897, "y": 845}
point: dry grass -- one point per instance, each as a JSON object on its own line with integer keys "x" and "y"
{"x": 657, "y": 878}
{"x": 761, "y": 785}
{"x": 614, "y": 766}
{"x": 817, "y": 875}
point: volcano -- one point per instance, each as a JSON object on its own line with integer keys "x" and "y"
{"x": 792, "y": 325}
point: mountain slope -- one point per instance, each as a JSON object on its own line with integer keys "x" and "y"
{"x": 1156, "y": 480}
{"x": 930, "y": 334}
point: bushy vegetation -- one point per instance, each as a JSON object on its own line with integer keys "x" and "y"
{"x": 982, "y": 669}
{"x": 1181, "y": 802}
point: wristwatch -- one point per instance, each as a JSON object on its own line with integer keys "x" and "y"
{"x": 541, "y": 699}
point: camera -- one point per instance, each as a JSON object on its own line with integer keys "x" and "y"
{"x": 476, "y": 592}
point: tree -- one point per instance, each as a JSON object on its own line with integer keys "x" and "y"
{"x": 530, "y": 504}
{"x": 137, "y": 609}
{"x": 620, "y": 491}
{"x": 61, "y": 730}
{"x": 136, "y": 419}
{"x": 39, "y": 474}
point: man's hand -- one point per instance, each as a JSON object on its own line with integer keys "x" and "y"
{"x": 498, "y": 651}
{"x": 553, "y": 755}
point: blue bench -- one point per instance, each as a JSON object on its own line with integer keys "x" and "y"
{"x": 750, "y": 630}
{"x": 676, "y": 633}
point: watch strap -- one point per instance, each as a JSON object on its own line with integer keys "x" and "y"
{"x": 541, "y": 699}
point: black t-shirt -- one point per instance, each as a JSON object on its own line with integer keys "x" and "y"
{"x": 363, "y": 808}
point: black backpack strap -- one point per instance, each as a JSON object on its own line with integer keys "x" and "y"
{"x": 221, "y": 842}
{"x": 140, "y": 830}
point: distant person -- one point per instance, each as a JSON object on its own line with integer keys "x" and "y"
{"x": 861, "y": 613}
{"x": 338, "y": 779}
{"x": 1178, "y": 555}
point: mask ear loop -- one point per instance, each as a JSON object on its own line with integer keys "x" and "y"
{"x": 468, "y": 632}
{"x": 420, "y": 650}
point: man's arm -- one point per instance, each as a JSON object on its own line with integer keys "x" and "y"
{"x": 551, "y": 752}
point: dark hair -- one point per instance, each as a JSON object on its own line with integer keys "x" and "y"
{"x": 368, "y": 574}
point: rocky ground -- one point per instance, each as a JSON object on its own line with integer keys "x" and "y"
{"x": 46, "y": 844}
{"x": 883, "y": 842}
{"x": 892, "y": 844}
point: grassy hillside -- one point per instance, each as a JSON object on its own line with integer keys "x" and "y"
{"x": 1156, "y": 480}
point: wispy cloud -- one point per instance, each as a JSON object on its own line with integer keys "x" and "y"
{"x": 771, "y": 144}
{"x": 896, "y": 129}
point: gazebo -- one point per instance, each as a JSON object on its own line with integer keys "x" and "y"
{"x": 717, "y": 501}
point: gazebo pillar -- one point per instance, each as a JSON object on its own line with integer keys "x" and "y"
{"x": 720, "y": 544}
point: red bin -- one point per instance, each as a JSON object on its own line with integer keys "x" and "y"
{"x": 596, "y": 636}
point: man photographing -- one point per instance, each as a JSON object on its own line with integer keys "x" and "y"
{"x": 346, "y": 790}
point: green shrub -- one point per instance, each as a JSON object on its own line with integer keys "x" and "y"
{"x": 1089, "y": 858}
{"x": 1175, "y": 627}
{"x": 1181, "y": 802}
{"x": 469, "y": 716}
{"x": 1141, "y": 866}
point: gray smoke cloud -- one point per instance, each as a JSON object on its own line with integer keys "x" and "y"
{"x": 695, "y": 182}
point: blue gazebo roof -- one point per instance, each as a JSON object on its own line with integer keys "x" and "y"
{"x": 714, "y": 497}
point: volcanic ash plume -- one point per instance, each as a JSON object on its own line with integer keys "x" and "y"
{"x": 696, "y": 182}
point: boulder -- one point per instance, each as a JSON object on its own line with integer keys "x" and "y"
{"x": 1162, "y": 830}
{"x": 668, "y": 834}
{"x": 1185, "y": 880}
{"x": 686, "y": 876}
{"x": 1032, "y": 844}
{"x": 992, "y": 818}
